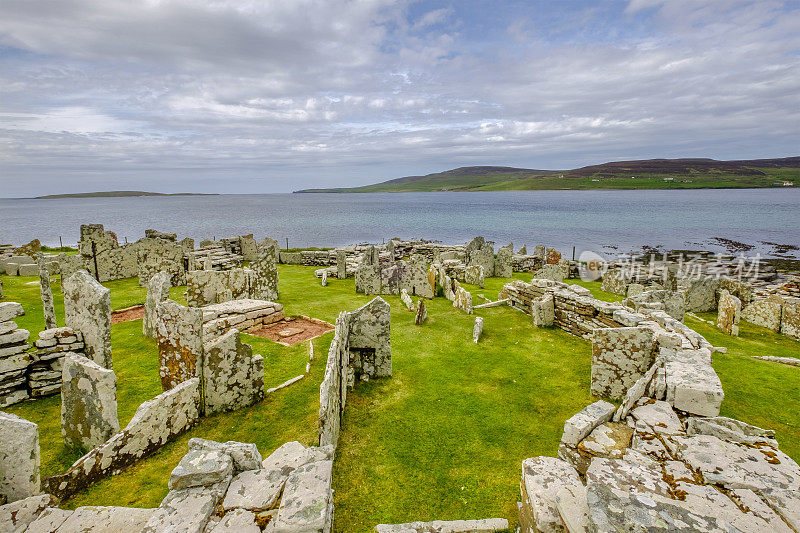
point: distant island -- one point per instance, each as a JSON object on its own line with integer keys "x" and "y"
{"x": 118, "y": 194}
{"x": 642, "y": 174}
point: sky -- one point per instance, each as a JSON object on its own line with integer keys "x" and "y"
{"x": 255, "y": 96}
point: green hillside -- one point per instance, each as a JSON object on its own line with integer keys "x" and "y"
{"x": 646, "y": 174}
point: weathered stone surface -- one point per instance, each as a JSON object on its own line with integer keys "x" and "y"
{"x": 543, "y": 311}
{"x": 607, "y": 440}
{"x": 573, "y": 509}
{"x": 551, "y": 272}
{"x": 341, "y": 264}
{"x": 739, "y": 466}
{"x": 480, "y": 252}
{"x": 180, "y": 342}
{"x": 503, "y": 264}
{"x": 307, "y": 501}
{"x": 474, "y": 275}
{"x": 184, "y": 511}
{"x": 106, "y": 520}
{"x": 266, "y": 270}
{"x": 245, "y": 455}
{"x": 552, "y": 256}
{"x": 581, "y": 424}
{"x": 16, "y": 516}
{"x": 406, "y": 299}
{"x": 236, "y": 521}
{"x": 693, "y": 388}
{"x": 462, "y": 298}
{"x": 87, "y": 308}
{"x": 157, "y": 292}
{"x": 10, "y": 311}
{"x": 701, "y": 294}
{"x": 730, "y": 430}
{"x": 616, "y": 282}
{"x": 477, "y": 329}
{"x": 790, "y": 318}
{"x": 486, "y": 525}
{"x": 432, "y": 276}
{"x": 368, "y": 273}
{"x": 765, "y": 312}
{"x": 369, "y": 339}
{"x": 333, "y": 389}
{"x": 155, "y": 422}
{"x": 659, "y": 417}
{"x": 324, "y": 280}
{"x": 232, "y": 376}
{"x": 422, "y": 313}
{"x": 88, "y": 402}
{"x": 542, "y": 478}
{"x": 50, "y": 519}
{"x": 19, "y": 458}
{"x": 47, "y": 294}
{"x": 729, "y": 308}
{"x": 201, "y": 467}
{"x": 414, "y": 278}
{"x": 620, "y": 356}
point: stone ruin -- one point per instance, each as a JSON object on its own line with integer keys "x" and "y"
{"x": 87, "y": 308}
{"x": 360, "y": 350}
{"x": 664, "y": 460}
{"x": 14, "y": 361}
{"x": 88, "y": 403}
{"x": 157, "y": 292}
{"x": 729, "y": 311}
{"x": 47, "y": 294}
{"x": 47, "y": 362}
{"x": 191, "y": 344}
{"x": 19, "y": 459}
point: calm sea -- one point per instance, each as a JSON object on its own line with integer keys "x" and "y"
{"x": 595, "y": 220}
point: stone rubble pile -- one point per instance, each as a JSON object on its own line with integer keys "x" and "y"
{"x": 245, "y": 315}
{"x": 14, "y": 360}
{"x": 45, "y": 370}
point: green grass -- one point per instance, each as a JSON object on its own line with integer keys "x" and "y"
{"x": 444, "y": 437}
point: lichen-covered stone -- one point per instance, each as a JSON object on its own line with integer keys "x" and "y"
{"x": 201, "y": 467}
{"x": 157, "y": 292}
{"x": 485, "y": 525}
{"x": 477, "y": 329}
{"x": 47, "y": 294}
{"x": 462, "y": 298}
{"x": 480, "y": 252}
{"x": 88, "y": 402}
{"x": 369, "y": 339}
{"x": 620, "y": 356}
{"x": 307, "y": 501}
{"x": 406, "y": 299}
{"x": 422, "y": 313}
{"x": 701, "y": 294}
{"x": 542, "y": 478}
{"x": 106, "y": 520}
{"x": 19, "y": 458}
{"x": 368, "y": 273}
{"x": 579, "y": 425}
{"x": 154, "y": 423}
{"x": 551, "y": 272}
{"x": 87, "y": 308}
{"x": 543, "y": 311}
{"x": 266, "y": 270}
{"x": 17, "y": 515}
{"x": 765, "y": 312}
{"x": 232, "y": 376}
{"x": 790, "y": 318}
{"x": 503, "y": 264}
{"x": 729, "y": 308}
{"x": 474, "y": 275}
{"x": 180, "y": 342}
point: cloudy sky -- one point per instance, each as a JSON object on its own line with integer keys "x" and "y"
{"x": 258, "y": 96}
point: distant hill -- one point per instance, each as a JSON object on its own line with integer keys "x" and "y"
{"x": 642, "y": 174}
{"x": 117, "y": 194}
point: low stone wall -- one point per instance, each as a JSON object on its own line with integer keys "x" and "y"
{"x": 155, "y": 422}
{"x": 44, "y": 372}
{"x": 206, "y": 287}
{"x": 14, "y": 360}
{"x": 778, "y": 313}
{"x": 244, "y": 315}
{"x": 360, "y": 350}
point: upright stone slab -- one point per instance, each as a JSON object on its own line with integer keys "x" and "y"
{"x": 474, "y": 275}
{"x": 620, "y": 356}
{"x": 480, "y": 252}
{"x": 157, "y": 291}
{"x": 765, "y": 312}
{"x": 341, "y": 264}
{"x": 47, "y": 294}
{"x": 701, "y": 294}
{"x": 232, "y": 376}
{"x": 414, "y": 278}
{"x": 462, "y": 298}
{"x": 504, "y": 263}
{"x": 369, "y": 339}
{"x": 19, "y": 458}
{"x": 790, "y": 318}
{"x": 477, "y": 329}
{"x": 422, "y": 313}
{"x": 87, "y": 308}
{"x": 729, "y": 308}
{"x": 368, "y": 273}
{"x": 88, "y": 402}
{"x": 551, "y": 272}
{"x": 180, "y": 342}
{"x": 266, "y": 270}
{"x": 543, "y": 311}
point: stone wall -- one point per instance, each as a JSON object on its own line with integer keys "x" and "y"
{"x": 156, "y": 421}
{"x": 206, "y": 287}
{"x": 265, "y": 266}
{"x": 14, "y": 361}
{"x": 19, "y": 458}
{"x": 244, "y": 315}
{"x": 360, "y": 350}
{"x": 45, "y": 370}
{"x": 87, "y": 308}
{"x": 232, "y": 377}
{"x": 180, "y": 342}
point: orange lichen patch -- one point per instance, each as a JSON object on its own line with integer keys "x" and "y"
{"x": 292, "y": 330}
{"x": 126, "y": 315}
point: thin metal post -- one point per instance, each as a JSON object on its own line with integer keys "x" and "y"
{"x": 94, "y": 256}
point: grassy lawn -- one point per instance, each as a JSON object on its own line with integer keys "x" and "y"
{"x": 443, "y": 438}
